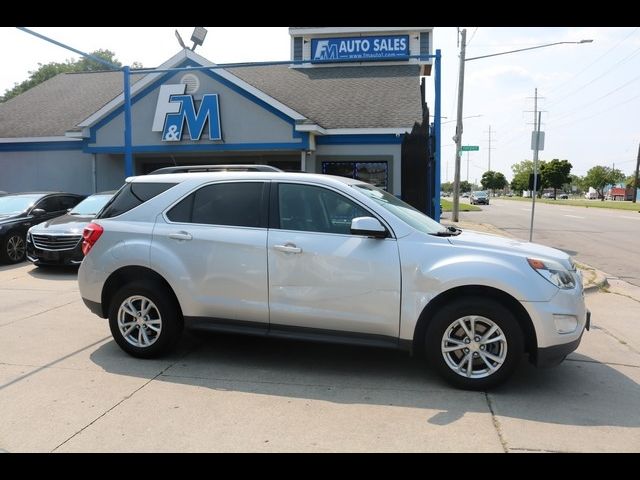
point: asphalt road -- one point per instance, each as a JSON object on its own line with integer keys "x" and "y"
{"x": 606, "y": 239}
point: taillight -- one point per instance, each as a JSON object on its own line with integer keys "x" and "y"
{"x": 90, "y": 236}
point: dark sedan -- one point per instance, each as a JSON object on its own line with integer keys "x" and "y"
{"x": 19, "y": 211}
{"x": 59, "y": 241}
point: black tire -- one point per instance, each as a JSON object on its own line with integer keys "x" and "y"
{"x": 167, "y": 308}
{"x": 443, "y": 322}
{"x": 8, "y": 247}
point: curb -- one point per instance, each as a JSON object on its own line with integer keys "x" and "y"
{"x": 599, "y": 283}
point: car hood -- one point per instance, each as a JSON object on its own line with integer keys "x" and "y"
{"x": 478, "y": 240}
{"x": 63, "y": 224}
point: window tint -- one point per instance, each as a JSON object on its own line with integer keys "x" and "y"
{"x": 68, "y": 202}
{"x": 130, "y": 196}
{"x": 49, "y": 204}
{"x": 233, "y": 204}
{"x": 315, "y": 209}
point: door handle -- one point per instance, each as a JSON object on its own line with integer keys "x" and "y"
{"x": 288, "y": 248}
{"x": 180, "y": 236}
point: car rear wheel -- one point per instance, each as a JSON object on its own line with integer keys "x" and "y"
{"x": 13, "y": 248}
{"x": 474, "y": 343}
{"x": 144, "y": 320}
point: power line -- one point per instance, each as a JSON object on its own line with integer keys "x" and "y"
{"x": 625, "y": 102}
{"x": 606, "y": 72}
{"x": 472, "y": 35}
{"x": 594, "y": 62}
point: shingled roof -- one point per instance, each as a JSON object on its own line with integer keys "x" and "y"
{"x": 341, "y": 97}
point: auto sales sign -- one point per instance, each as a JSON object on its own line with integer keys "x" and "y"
{"x": 360, "y": 49}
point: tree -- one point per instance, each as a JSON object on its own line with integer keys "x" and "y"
{"x": 599, "y": 177}
{"x": 446, "y": 187}
{"x": 46, "y": 71}
{"x": 465, "y": 186}
{"x": 493, "y": 180}
{"x": 555, "y": 174}
{"x": 521, "y": 172}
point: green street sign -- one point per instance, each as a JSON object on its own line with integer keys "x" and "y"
{"x": 469, "y": 148}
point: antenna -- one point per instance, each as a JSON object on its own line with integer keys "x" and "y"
{"x": 180, "y": 40}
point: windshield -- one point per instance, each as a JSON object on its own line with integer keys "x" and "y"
{"x": 14, "y": 204}
{"x": 90, "y": 205}
{"x": 479, "y": 194}
{"x": 402, "y": 210}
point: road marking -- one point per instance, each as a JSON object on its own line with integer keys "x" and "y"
{"x": 573, "y": 216}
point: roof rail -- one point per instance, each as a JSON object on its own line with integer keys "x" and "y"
{"x": 216, "y": 168}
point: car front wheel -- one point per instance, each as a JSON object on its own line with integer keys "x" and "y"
{"x": 13, "y": 248}
{"x": 474, "y": 343}
{"x": 144, "y": 320}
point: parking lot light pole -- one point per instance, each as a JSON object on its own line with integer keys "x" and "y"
{"x": 458, "y": 136}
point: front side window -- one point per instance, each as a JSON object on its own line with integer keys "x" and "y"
{"x": 232, "y": 204}
{"x": 402, "y": 210}
{"x": 314, "y": 209}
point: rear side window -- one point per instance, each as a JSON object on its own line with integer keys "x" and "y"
{"x": 232, "y": 204}
{"x": 130, "y": 196}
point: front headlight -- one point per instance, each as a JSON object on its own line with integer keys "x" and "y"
{"x": 553, "y": 272}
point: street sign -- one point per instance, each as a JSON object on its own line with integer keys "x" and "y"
{"x": 540, "y": 140}
{"x": 469, "y": 148}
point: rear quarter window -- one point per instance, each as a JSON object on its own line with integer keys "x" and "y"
{"x": 130, "y": 196}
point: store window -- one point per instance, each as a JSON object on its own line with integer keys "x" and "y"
{"x": 375, "y": 173}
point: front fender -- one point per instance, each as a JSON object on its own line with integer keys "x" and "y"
{"x": 433, "y": 268}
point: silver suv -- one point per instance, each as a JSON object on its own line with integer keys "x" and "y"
{"x": 328, "y": 259}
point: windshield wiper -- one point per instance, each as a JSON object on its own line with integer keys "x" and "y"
{"x": 450, "y": 231}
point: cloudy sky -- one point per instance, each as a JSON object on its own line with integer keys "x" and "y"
{"x": 591, "y": 91}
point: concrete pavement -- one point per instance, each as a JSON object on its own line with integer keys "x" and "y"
{"x": 65, "y": 387}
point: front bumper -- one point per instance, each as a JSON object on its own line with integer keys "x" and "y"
{"x": 54, "y": 257}
{"x": 552, "y": 356}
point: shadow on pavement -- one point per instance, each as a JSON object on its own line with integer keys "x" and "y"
{"x": 581, "y": 391}
{"x": 54, "y": 272}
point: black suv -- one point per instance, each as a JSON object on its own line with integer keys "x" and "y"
{"x": 19, "y": 211}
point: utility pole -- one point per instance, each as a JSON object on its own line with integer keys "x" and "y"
{"x": 636, "y": 184}
{"x": 467, "y": 166}
{"x": 535, "y": 162}
{"x": 458, "y": 136}
{"x": 489, "y": 169}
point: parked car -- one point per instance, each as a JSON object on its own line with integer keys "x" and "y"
{"x": 563, "y": 196}
{"x": 323, "y": 258}
{"x": 465, "y": 195}
{"x": 549, "y": 195}
{"x": 19, "y": 211}
{"x": 58, "y": 241}
{"x": 479, "y": 197}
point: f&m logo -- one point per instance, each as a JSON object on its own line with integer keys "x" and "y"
{"x": 325, "y": 50}
{"x": 174, "y": 109}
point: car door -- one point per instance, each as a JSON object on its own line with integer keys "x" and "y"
{"x": 320, "y": 275}
{"x": 218, "y": 236}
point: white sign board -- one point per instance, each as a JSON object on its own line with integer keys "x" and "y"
{"x": 540, "y": 136}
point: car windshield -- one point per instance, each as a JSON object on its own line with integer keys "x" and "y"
{"x": 14, "y": 204}
{"x": 402, "y": 210}
{"x": 91, "y": 205}
{"x": 479, "y": 194}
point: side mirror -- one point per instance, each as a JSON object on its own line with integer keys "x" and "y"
{"x": 369, "y": 226}
{"x": 37, "y": 212}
